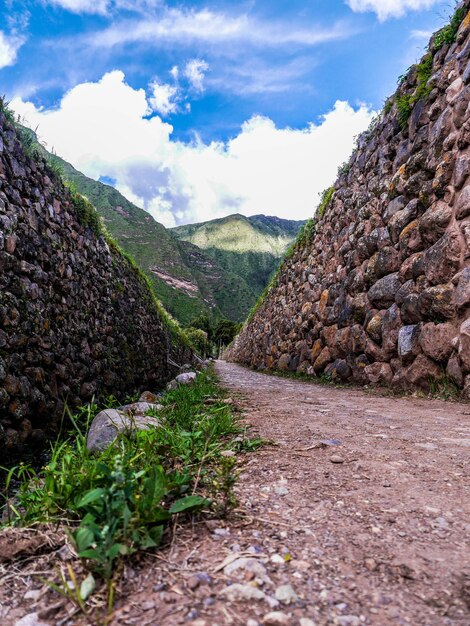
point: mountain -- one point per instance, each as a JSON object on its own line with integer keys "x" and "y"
{"x": 219, "y": 267}
{"x": 250, "y": 247}
{"x": 187, "y": 280}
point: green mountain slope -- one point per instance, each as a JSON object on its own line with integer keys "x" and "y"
{"x": 187, "y": 280}
{"x": 250, "y": 247}
{"x": 212, "y": 269}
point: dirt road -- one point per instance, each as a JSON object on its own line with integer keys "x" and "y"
{"x": 371, "y": 531}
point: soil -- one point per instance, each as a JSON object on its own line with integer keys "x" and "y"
{"x": 357, "y": 512}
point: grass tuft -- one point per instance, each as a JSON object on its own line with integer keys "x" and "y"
{"x": 121, "y": 501}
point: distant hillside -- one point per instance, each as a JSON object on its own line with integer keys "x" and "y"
{"x": 250, "y": 247}
{"x": 218, "y": 267}
{"x": 187, "y": 280}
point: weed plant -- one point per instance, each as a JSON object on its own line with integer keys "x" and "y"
{"x": 120, "y": 501}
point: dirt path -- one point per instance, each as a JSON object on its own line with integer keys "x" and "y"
{"x": 379, "y": 537}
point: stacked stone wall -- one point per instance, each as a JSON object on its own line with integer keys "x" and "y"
{"x": 76, "y": 318}
{"x": 381, "y": 293}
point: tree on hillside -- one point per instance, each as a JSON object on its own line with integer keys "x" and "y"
{"x": 225, "y": 331}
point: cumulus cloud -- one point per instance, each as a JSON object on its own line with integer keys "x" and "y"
{"x": 195, "y": 72}
{"x": 103, "y": 128}
{"x": 390, "y": 8}
{"x": 9, "y": 46}
{"x": 164, "y": 98}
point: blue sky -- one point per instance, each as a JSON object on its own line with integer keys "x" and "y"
{"x": 210, "y": 89}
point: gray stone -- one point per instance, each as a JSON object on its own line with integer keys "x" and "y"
{"x": 382, "y": 293}
{"x": 462, "y": 205}
{"x": 462, "y": 292}
{"x": 393, "y": 207}
{"x": 454, "y": 371}
{"x": 246, "y": 564}
{"x": 238, "y": 591}
{"x": 276, "y": 618}
{"x": 140, "y": 408}
{"x": 286, "y": 594}
{"x": 108, "y": 424}
{"x": 408, "y": 343}
{"x": 188, "y": 378}
{"x": 32, "y": 619}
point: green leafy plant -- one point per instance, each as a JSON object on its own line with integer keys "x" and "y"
{"x": 4, "y": 108}
{"x": 406, "y": 102}
{"x": 344, "y": 169}
{"x": 448, "y": 34}
{"x": 325, "y": 200}
{"x": 224, "y": 479}
{"x": 121, "y": 500}
{"x": 388, "y": 106}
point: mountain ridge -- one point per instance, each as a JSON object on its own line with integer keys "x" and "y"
{"x": 188, "y": 279}
{"x": 251, "y": 247}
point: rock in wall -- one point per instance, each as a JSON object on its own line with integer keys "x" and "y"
{"x": 76, "y": 318}
{"x": 380, "y": 292}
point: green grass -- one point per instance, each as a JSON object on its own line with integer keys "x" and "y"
{"x": 448, "y": 34}
{"x": 406, "y": 102}
{"x": 325, "y": 200}
{"x": 121, "y": 501}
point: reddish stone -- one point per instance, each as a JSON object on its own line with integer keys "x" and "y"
{"x": 412, "y": 267}
{"x": 374, "y": 328}
{"x": 379, "y": 373}
{"x": 390, "y": 326}
{"x": 323, "y": 360}
{"x": 454, "y": 371}
{"x": 358, "y": 339}
{"x": 284, "y": 362}
{"x": 464, "y": 346}
{"x": 343, "y": 341}
{"x": 436, "y": 340}
{"x": 422, "y": 373}
{"x": 329, "y": 336}
{"x": 410, "y": 239}
{"x": 10, "y": 243}
{"x": 434, "y": 221}
{"x": 437, "y": 302}
{"x": 316, "y": 349}
{"x": 442, "y": 260}
{"x": 466, "y": 388}
{"x": 373, "y": 351}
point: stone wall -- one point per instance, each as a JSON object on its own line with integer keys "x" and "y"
{"x": 76, "y": 318}
{"x": 380, "y": 293}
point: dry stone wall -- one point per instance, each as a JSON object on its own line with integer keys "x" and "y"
{"x": 76, "y": 319}
{"x": 380, "y": 293}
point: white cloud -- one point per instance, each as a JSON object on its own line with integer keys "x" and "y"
{"x": 195, "y": 72}
{"x": 9, "y": 46}
{"x": 83, "y": 6}
{"x": 101, "y": 7}
{"x": 164, "y": 99}
{"x": 103, "y": 128}
{"x": 187, "y": 26}
{"x": 390, "y": 8}
{"x": 421, "y": 34}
